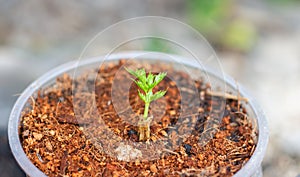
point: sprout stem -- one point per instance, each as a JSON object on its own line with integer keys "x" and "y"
{"x": 146, "y": 110}
{"x": 146, "y": 82}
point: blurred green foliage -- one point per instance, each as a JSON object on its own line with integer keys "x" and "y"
{"x": 283, "y": 2}
{"x": 207, "y": 15}
{"x": 239, "y": 35}
{"x": 217, "y": 21}
{"x": 158, "y": 45}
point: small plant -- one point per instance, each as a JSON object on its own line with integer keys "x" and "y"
{"x": 147, "y": 83}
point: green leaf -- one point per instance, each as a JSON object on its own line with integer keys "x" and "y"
{"x": 158, "y": 95}
{"x": 141, "y": 85}
{"x": 149, "y": 96}
{"x": 159, "y": 78}
{"x": 150, "y": 79}
{"x": 142, "y": 96}
{"x": 139, "y": 73}
{"x": 131, "y": 71}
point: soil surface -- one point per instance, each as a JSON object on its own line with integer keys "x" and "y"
{"x": 88, "y": 127}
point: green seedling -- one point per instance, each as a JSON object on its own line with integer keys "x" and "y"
{"x": 146, "y": 82}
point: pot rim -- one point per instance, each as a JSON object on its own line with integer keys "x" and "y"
{"x": 250, "y": 168}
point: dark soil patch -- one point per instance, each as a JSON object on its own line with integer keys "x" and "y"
{"x": 66, "y": 133}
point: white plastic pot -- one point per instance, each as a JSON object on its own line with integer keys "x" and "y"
{"x": 251, "y": 168}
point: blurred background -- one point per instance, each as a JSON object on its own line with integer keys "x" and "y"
{"x": 258, "y": 43}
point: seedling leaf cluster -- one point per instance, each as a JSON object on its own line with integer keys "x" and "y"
{"x": 146, "y": 82}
